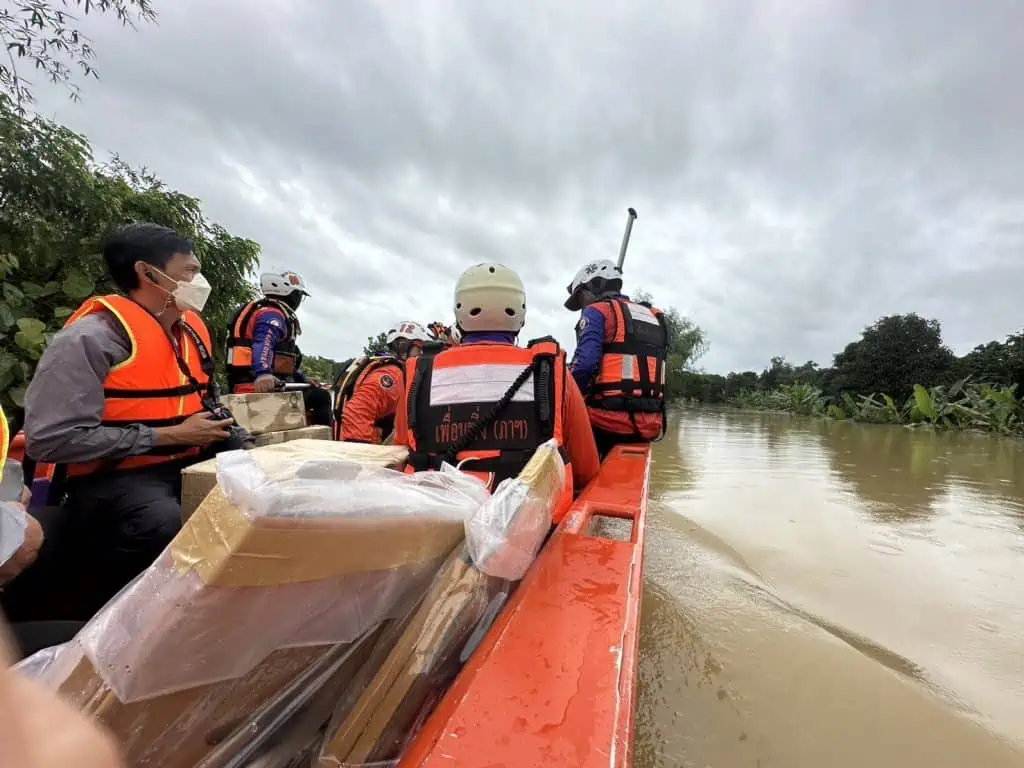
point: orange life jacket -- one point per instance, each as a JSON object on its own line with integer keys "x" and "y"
{"x": 449, "y": 392}
{"x": 154, "y": 386}
{"x": 631, "y": 377}
{"x": 5, "y": 438}
{"x": 352, "y": 377}
{"x": 287, "y": 356}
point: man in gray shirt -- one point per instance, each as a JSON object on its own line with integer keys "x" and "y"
{"x": 120, "y": 401}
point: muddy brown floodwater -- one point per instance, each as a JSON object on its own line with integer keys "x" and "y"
{"x": 824, "y": 595}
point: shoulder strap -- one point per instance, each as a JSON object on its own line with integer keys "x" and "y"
{"x": 544, "y": 340}
{"x": 421, "y": 378}
{"x": 245, "y": 314}
{"x": 205, "y": 363}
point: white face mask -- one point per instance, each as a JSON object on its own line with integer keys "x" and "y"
{"x": 192, "y": 295}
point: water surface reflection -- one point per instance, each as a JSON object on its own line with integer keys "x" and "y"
{"x": 819, "y": 592}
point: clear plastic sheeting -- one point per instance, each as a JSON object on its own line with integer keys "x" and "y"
{"x": 12, "y": 515}
{"x": 12, "y": 529}
{"x": 271, "y": 580}
{"x": 503, "y": 537}
{"x": 308, "y": 488}
{"x": 12, "y": 481}
{"x": 390, "y": 700}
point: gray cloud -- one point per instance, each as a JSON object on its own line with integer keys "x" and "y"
{"x": 799, "y": 168}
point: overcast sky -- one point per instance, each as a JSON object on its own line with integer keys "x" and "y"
{"x": 800, "y": 167}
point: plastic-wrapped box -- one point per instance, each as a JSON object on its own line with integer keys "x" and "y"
{"x": 390, "y": 700}
{"x": 273, "y": 589}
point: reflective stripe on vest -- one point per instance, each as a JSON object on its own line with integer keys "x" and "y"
{"x": 5, "y": 438}
{"x": 448, "y": 392}
{"x": 239, "y": 346}
{"x": 631, "y": 376}
{"x": 149, "y": 387}
{"x": 351, "y": 379}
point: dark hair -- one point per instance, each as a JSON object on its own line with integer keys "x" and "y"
{"x": 293, "y": 300}
{"x": 600, "y": 286}
{"x": 150, "y": 243}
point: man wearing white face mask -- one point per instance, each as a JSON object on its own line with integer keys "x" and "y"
{"x": 122, "y": 399}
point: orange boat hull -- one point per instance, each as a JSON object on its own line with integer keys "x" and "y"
{"x": 554, "y": 682}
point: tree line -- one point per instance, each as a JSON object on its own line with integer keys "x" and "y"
{"x": 898, "y": 371}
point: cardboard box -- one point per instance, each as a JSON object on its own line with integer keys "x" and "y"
{"x": 267, "y": 412}
{"x": 315, "y": 432}
{"x": 424, "y": 660}
{"x": 235, "y": 617}
{"x": 199, "y": 479}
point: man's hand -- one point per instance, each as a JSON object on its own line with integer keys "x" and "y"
{"x": 38, "y": 730}
{"x": 27, "y": 552}
{"x": 26, "y": 496}
{"x": 199, "y": 429}
{"x": 265, "y": 383}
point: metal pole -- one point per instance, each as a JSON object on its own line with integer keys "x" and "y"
{"x": 630, "y": 218}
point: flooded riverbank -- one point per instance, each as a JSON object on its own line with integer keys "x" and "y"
{"x": 832, "y": 594}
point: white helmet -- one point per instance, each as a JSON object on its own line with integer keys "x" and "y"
{"x": 282, "y": 285}
{"x": 490, "y": 297}
{"x": 602, "y": 269}
{"x": 407, "y": 329}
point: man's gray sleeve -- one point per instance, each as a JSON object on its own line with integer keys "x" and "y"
{"x": 64, "y": 402}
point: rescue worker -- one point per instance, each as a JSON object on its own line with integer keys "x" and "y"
{"x": 486, "y": 404}
{"x": 121, "y": 401}
{"x": 369, "y": 389}
{"x": 444, "y": 333}
{"x": 262, "y": 349}
{"x": 620, "y": 359}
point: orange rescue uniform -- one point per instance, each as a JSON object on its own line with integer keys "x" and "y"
{"x": 151, "y": 387}
{"x": 628, "y": 395}
{"x": 286, "y": 356}
{"x": 446, "y": 393}
{"x": 367, "y": 408}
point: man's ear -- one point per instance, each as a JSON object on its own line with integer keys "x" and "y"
{"x": 144, "y": 272}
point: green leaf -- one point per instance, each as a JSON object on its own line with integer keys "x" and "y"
{"x": 32, "y": 290}
{"x": 9, "y": 260}
{"x": 17, "y": 395}
{"x": 77, "y": 285}
{"x": 13, "y": 294}
{"x": 923, "y": 401}
{"x": 6, "y": 318}
{"x": 7, "y": 362}
{"x": 32, "y": 327}
{"x": 31, "y": 336}
{"x": 49, "y": 289}
{"x": 62, "y": 313}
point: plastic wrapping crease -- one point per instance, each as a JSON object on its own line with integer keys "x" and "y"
{"x": 383, "y": 712}
{"x": 179, "y": 657}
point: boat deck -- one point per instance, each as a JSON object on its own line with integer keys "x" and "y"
{"x": 554, "y": 682}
